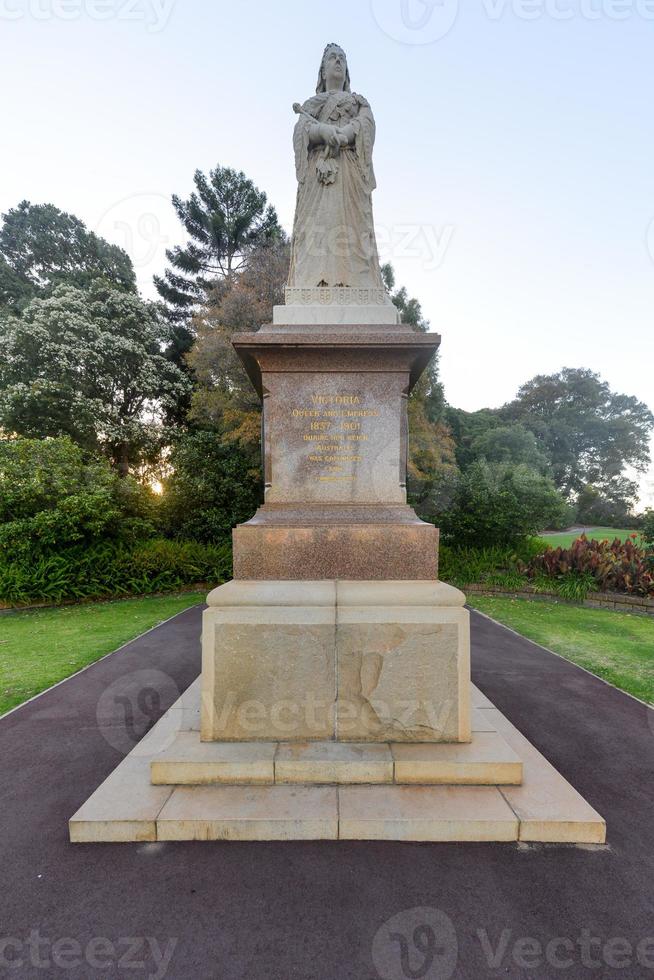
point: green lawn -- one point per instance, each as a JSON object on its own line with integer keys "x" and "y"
{"x": 39, "y": 648}
{"x": 619, "y": 647}
{"x": 564, "y": 540}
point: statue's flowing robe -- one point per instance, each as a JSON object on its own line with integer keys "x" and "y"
{"x": 333, "y": 234}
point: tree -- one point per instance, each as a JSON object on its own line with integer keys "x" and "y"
{"x": 510, "y": 444}
{"x": 469, "y": 427}
{"x": 42, "y": 247}
{"x": 54, "y": 495}
{"x": 209, "y": 489}
{"x": 89, "y": 364}
{"x": 611, "y": 506}
{"x": 226, "y": 217}
{"x": 432, "y": 466}
{"x": 648, "y": 528}
{"x": 410, "y": 309}
{"x": 432, "y": 471}
{"x": 498, "y": 504}
{"x": 223, "y": 396}
{"x": 590, "y": 433}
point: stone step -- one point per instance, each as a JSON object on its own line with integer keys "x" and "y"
{"x": 435, "y": 813}
{"x": 249, "y": 813}
{"x": 425, "y": 813}
{"x": 127, "y": 807}
{"x": 486, "y": 760}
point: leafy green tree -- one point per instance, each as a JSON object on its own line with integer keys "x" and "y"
{"x": 42, "y": 247}
{"x": 54, "y": 495}
{"x": 223, "y": 396}
{"x": 498, "y": 504}
{"x": 648, "y": 527}
{"x": 432, "y": 469}
{"x": 211, "y": 487}
{"x": 226, "y": 217}
{"x": 510, "y": 444}
{"x": 590, "y": 433}
{"x": 468, "y": 428}
{"x": 89, "y": 364}
{"x": 610, "y": 506}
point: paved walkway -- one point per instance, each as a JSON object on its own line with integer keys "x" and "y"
{"x": 317, "y": 911}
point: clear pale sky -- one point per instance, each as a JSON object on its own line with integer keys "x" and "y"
{"x": 514, "y": 152}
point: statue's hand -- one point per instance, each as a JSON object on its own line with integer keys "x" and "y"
{"x": 329, "y": 135}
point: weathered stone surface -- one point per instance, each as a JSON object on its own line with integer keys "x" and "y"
{"x": 398, "y": 593}
{"x": 548, "y": 807}
{"x": 486, "y": 761}
{"x": 250, "y": 813}
{"x": 397, "y": 681}
{"x": 330, "y": 314}
{"x": 403, "y": 672}
{"x": 188, "y": 761}
{"x": 125, "y": 806}
{"x": 268, "y": 673}
{"x": 333, "y": 762}
{"x": 272, "y": 670}
{"x": 425, "y": 813}
{"x": 368, "y": 551}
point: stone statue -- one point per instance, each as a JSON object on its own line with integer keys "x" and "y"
{"x": 333, "y": 235}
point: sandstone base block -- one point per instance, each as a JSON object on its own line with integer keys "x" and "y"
{"x": 288, "y": 661}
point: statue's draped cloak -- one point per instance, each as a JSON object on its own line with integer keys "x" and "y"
{"x": 333, "y": 234}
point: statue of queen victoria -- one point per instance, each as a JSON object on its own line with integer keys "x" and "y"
{"x": 333, "y": 235}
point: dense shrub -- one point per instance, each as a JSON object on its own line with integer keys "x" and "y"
{"x": 647, "y": 528}
{"x": 500, "y": 504}
{"x": 53, "y": 496}
{"x": 500, "y": 566}
{"x": 213, "y": 486}
{"x": 113, "y": 568}
{"x": 621, "y": 566}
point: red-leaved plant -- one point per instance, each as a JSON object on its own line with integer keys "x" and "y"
{"x": 620, "y": 566}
